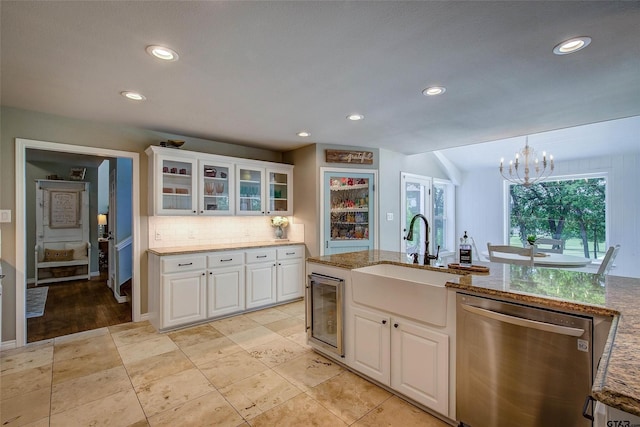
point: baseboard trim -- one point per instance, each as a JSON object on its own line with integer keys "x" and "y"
{"x": 8, "y": 345}
{"x": 144, "y": 317}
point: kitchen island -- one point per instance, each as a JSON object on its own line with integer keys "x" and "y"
{"x": 617, "y": 382}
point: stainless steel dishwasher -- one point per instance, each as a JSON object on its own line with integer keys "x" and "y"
{"x": 521, "y": 366}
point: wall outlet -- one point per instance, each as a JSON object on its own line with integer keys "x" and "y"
{"x": 5, "y": 215}
{"x": 389, "y": 216}
{"x": 158, "y": 235}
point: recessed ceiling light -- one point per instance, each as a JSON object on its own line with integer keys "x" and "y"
{"x": 572, "y": 45}
{"x": 433, "y": 91}
{"x": 162, "y": 52}
{"x": 135, "y": 96}
{"x": 355, "y": 117}
{"x": 304, "y": 134}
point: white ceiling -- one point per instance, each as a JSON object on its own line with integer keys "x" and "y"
{"x": 256, "y": 73}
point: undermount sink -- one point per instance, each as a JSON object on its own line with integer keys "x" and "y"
{"x": 416, "y": 293}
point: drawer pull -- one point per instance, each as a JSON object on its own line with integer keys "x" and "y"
{"x": 290, "y": 253}
{"x": 261, "y": 256}
{"x": 183, "y": 265}
{"x": 226, "y": 260}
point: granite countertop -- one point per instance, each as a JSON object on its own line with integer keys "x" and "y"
{"x": 617, "y": 381}
{"x": 183, "y": 250}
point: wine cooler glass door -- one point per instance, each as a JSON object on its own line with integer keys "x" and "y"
{"x": 324, "y": 317}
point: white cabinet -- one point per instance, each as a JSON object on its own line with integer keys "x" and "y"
{"x": 225, "y": 283}
{"x": 174, "y": 184}
{"x": 420, "y": 364}
{"x": 190, "y": 183}
{"x": 372, "y": 345}
{"x": 290, "y": 273}
{"x": 264, "y": 191}
{"x": 196, "y": 287}
{"x": 183, "y": 291}
{"x": 260, "y": 278}
{"x": 410, "y": 358}
{"x": 217, "y": 187}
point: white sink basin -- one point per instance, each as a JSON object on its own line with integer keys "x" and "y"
{"x": 416, "y": 293}
{"x": 417, "y": 275}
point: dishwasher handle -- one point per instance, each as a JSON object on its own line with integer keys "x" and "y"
{"x": 527, "y": 323}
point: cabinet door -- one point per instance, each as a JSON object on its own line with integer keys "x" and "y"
{"x": 225, "y": 291}
{"x": 216, "y": 189}
{"x": 176, "y": 192}
{"x": 279, "y": 192}
{"x": 250, "y": 188}
{"x": 260, "y": 284}
{"x": 371, "y": 352}
{"x": 290, "y": 275}
{"x": 420, "y": 364}
{"x": 183, "y": 298}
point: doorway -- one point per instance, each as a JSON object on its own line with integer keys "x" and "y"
{"x": 415, "y": 199}
{"x": 74, "y": 152}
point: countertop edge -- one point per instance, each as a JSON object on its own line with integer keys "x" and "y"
{"x": 183, "y": 250}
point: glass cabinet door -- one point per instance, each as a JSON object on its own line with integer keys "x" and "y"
{"x": 349, "y": 217}
{"x": 216, "y": 186}
{"x": 250, "y": 191}
{"x": 279, "y": 192}
{"x": 178, "y": 185}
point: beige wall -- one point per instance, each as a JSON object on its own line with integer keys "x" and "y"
{"x": 16, "y": 123}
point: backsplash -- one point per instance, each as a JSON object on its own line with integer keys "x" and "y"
{"x": 173, "y": 231}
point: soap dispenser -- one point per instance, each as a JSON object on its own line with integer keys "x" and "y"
{"x": 465, "y": 250}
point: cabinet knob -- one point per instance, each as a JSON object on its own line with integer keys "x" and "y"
{"x": 194, "y": 211}
{"x": 395, "y": 325}
{"x": 384, "y": 322}
{"x": 203, "y": 274}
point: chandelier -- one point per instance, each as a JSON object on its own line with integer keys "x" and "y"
{"x": 526, "y": 169}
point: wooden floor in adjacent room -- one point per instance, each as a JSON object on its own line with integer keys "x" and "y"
{"x": 76, "y": 306}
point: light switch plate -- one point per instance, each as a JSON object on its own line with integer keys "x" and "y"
{"x": 389, "y": 216}
{"x": 5, "y": 215}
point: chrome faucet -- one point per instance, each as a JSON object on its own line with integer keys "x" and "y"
{"x": 427, "y": 257}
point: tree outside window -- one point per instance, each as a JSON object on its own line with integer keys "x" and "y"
{"x": 570, "y": 209}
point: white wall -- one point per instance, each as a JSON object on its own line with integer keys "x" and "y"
{"x": 480, "y": 205}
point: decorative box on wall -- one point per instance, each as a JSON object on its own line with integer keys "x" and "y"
{"x": 192, "y": 183}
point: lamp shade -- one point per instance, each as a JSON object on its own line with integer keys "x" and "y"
{"x": 102, "y": 219}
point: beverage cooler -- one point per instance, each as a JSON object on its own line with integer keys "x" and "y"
{"x": 349, "y": 221}
{"x": 324, "y": 314}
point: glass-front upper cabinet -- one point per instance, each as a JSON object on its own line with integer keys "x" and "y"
{"x": 178, "y": 184}
{"x": 250, "y": 190}
{"x": 264, "y": 191}
{"x": 279, "y": 192}
{"x": 217, "y": 186}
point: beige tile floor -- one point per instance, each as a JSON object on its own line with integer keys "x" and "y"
{"x": 249, "y": 370}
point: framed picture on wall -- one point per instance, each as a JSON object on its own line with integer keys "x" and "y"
{"x": 64, "y": 209}
{"x": 77, "y": 174}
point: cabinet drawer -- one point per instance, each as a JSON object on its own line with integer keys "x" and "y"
{"x": 225, "y": 259}
{"x": 186, "y": 263}
{"x": 291, "y": 252}
{"x": 260, "y": 256}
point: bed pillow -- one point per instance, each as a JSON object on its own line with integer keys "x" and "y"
{"x": 79, "y": 250}
{"x": 51, "y": 255}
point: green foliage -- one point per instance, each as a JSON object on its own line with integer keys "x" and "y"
{"x": 561, "y": 210}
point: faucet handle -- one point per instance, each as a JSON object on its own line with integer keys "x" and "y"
{"x": 415, "y": 257}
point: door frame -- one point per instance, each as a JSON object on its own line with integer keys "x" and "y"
{"x": 375, "y": 227}
{"x": 404, "y": 177}
{"x": 21, "y": 231}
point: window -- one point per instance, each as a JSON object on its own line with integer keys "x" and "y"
{"x": 572, "y": 209}
{"x": 443, "y": 228}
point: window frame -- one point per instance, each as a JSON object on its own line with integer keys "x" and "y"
{"x": 564, "y": 177}
{"x": 449, "y": 215}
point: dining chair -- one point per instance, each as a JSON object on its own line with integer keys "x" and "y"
{"x": 607, "y": 261}
{"x": 554, "y": 246}
{"x": 495, "y": 252}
